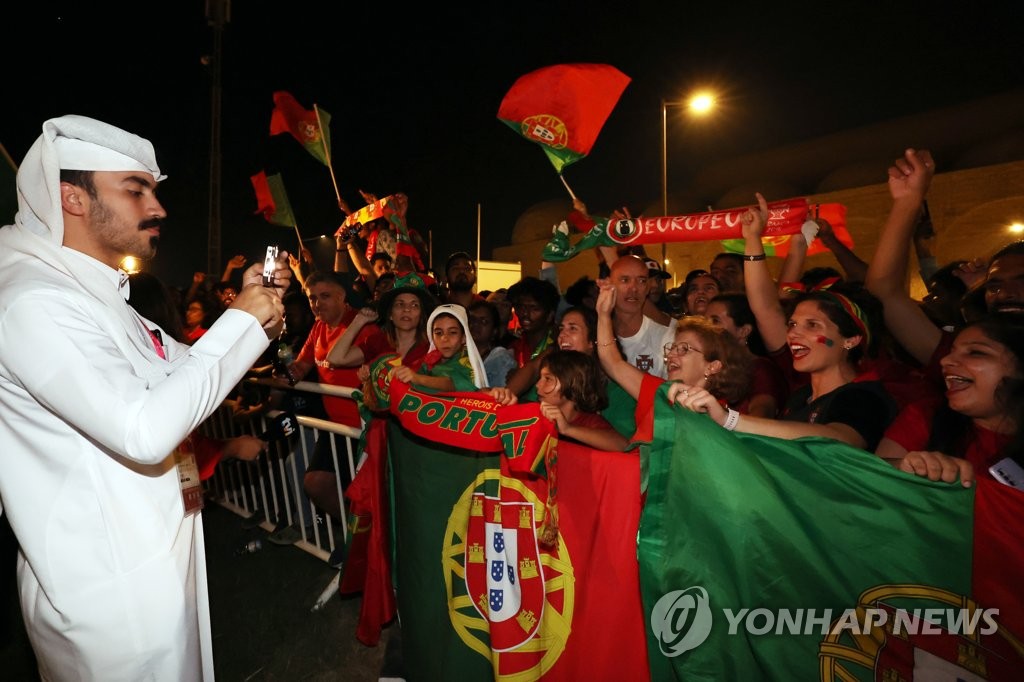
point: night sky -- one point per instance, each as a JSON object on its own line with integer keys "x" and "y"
{"x": 414, "y": 94}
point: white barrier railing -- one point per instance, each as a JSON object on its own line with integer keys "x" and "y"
{"x": 270, "y": 489}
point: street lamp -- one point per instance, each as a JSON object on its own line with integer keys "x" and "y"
{"x": 699, "y": 104}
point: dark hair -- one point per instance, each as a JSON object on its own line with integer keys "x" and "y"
{"x": 326, "y": 276}
{"x": 814, "y": 276}
{"x": 870, "y": 306}
{"x": 80, "y": 178}
{"x": 589, "y": 318}
{"x": 152, "y": 299}
{"x": 728, "y": 255}
{"x": 544, "y": 292}
{"x": 694, "y": 274}
{"x": 221, "y": 286}
{"x": 1012, "y": 249}
{"x": 579, "y": 290}
{"x": 580, "y": 377}
{"x": 380, "y": 255}
{"x": 458, "y": 255}
{"x": 739, "y": 310}
{"x": 951, "y": 430}
{"x": 491, "y": 311}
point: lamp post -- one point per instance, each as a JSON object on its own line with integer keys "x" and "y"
{"x": 699, "y": 104}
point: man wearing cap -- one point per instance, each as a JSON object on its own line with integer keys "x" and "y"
{"x": 94, "y": 399}
{"x": 460, "y": 274}
{"x": 657, "y": 306}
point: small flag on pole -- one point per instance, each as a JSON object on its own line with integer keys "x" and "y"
{"x": 310, "y": 128}
{"x": 272, "y": 200}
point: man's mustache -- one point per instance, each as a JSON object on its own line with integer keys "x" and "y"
{"x": 151, "y": 222}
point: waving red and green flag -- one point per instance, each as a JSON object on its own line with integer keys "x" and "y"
{"x": 563, "y": 108}
{"x": 272, "y": 200}
{"x": 310, "y": 128}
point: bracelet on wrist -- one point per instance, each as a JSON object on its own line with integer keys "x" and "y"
{"x": 731, "y": 420}
{"x": 754, "y": 256}
{"x": 606, "y": 343}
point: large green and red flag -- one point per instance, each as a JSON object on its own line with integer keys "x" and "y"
{"x": 778, "y": 246}
{"x": 770, "y": 559}
{"x": 272, "y": 199}
{"x": 784, "y": 217}
{"x": 479, "y": 596}
{"x": 563, "y": 108}
{"x": 310, "y": 128}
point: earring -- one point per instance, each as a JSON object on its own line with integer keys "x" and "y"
{"x": 847, "y": 346}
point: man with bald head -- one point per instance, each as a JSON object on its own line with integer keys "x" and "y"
{"x": 94, "y": 402}
{"x": 642, "y": 339}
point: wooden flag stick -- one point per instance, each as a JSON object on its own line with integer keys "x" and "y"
{"x": 296, "y": 226}
{"x": 562, "y": 178}
{"x": 327, "y": 153}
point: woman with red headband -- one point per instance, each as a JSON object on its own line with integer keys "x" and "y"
{"x": 827, "y": 335}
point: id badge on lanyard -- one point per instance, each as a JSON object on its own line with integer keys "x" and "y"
{"x": 188, "y": 478}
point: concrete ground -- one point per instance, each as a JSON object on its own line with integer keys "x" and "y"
{"x": 260, "y": 605}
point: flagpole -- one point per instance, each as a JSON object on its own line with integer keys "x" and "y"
{"x": 327, "y": 152}
{"x": 562, "y": 178}
{"x": 296, "y": 226}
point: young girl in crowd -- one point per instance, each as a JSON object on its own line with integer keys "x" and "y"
{"x": 976, "y": 424}
{"x": 453, "y": 362}
{"x": 571, "y": 392}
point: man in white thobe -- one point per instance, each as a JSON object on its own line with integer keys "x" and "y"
{"x": 93, "y": 402}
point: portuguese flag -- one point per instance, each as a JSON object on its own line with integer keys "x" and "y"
{"x": 778, "y": 245}
{"x": 479, "y": 597}
{"x": 768, "y": 559}
{"x": 272, "y": 199}
{"x": 563, "y": 108}
{"x": 310, "y": 128}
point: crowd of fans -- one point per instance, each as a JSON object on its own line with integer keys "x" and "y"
{"x": 933, "y": 386}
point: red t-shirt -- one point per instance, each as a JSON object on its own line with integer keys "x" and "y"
{"x": 374, "y": 343}
{"x": 766, "y": 379}
{"x": 318, "y": 344}
{"x": 912, "y": 428}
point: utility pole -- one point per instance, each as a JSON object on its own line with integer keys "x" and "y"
{"x": 218, "y": 13}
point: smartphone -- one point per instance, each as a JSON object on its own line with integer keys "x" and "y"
{"x": 269, "y": 266}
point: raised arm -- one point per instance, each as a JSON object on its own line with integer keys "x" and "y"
{"x": 615, "y": 366}
{"x": 343, "y": 353}
{"x": 909, "y": 179}
{"x": 854, "y": 268}
{"x": 761, "y": 292}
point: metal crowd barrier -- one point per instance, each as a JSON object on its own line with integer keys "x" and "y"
{"x": 269, "y": 490}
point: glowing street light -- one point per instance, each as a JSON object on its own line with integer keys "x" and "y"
{"x": 699, "y": 104}
{"x": 1017, "y": 228}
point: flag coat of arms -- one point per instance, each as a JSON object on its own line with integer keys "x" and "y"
{"x": 310, "y": 128}
{"x": 770, "y": 559}
{"x": 563, "y": 108}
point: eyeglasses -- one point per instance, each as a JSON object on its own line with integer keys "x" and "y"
{"x": 681, "y": 348}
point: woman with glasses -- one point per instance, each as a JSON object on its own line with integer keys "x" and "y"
{"x": 701, "y": 355}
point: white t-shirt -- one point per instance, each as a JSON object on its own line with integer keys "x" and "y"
{"x": 645, "y": 349}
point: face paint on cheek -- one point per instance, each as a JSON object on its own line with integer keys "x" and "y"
{"x": 825, "y": 341}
